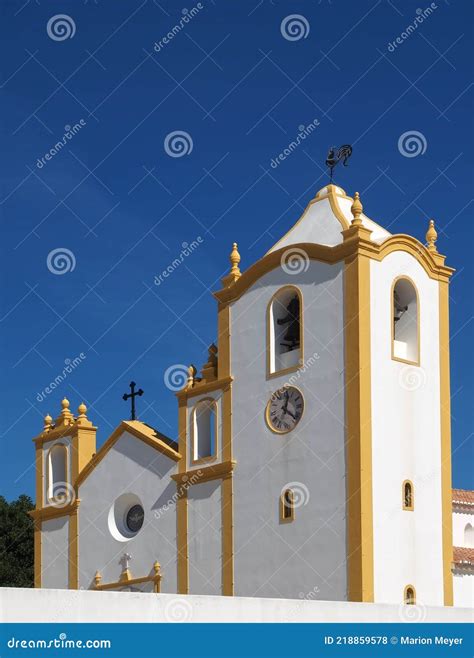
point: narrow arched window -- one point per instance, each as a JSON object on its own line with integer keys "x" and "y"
{"x": 469, "y": 536}
{"x": 408, "y": 496}
{"x": 204, "y": 430}
{"x": 57, "y": 472}
{"x": 287, "y": 506}
{"x": 409, "y": 595}
{"x": 285, "y": 330}
{"x": 405, "y": 321}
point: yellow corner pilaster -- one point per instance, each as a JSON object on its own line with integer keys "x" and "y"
{"x": 358, "y": 432}
{"x": 445, "y": 421}
{"x": 227, "y": 537}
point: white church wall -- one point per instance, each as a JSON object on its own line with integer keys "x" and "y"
{"x": 135, "y": 469}
{"x": 307, "y": 557}
{"x": 463, "y": 589}
{"x": 406, "y": 442}
{"x": 204, "y": 538}
{"x": 460, "y": 521}
{"x": 54, "y": 553}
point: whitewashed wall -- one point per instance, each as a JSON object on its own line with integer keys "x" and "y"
{"x": 54, "y": 552}
{"x": 406, "y": 442}
{"x": 52, "y": 605}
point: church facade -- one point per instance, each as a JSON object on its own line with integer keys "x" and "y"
{"x": 313, "y": 457}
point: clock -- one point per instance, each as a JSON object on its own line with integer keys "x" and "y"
{"x": 134, "y": 518}
{"x": 284, "y": 409}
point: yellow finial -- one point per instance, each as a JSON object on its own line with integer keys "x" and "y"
{"x": 431, "y": 236}
{"x": 97, "y": 578}
{"x": 235, "y": 272}
{"x": 356, "y": 210}
{"x": 48, "y": 421}
{"x": 156, "y": 568}
{"x": 82, "y": 410}
{"x": 65, "y": 417}
{"x": 235, "y": 260}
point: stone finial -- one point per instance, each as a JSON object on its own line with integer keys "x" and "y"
{"x": 156, "y": 568}
{"x": 235, "y": 272}
{"x": 97, "y": 578}
{"x": 65, "y": 417}
{"x": 356, "y": 210}
{"x": 192, "y": 371}
{"x": 48, "y": 423}
{"x": 82, "y": 418}
{"x": 431, "y": 236}
{"x": 209, "y": 369}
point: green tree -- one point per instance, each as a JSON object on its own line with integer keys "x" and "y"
{"x": 16, "y": 542}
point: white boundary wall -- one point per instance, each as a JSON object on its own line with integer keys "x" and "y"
{"x": 63, "y": 606}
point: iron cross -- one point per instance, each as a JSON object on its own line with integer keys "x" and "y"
{"x": 132, "y": 395}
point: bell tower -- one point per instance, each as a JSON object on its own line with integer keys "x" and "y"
{"x": 62, "y": 449}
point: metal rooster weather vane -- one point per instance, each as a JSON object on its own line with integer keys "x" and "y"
{"x": 336, "y": 155}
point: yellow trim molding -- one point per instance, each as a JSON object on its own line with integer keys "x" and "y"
{"x": 138, "y": 430}
{"x": 205, "y": 474}
{"x": 73, "y": 557}
{"x": 445, "y": 398}
{"x": 415, "y": 362}
{"x": 200, "y": 388}
{"x": 126, "y": 581}
{"x": 37, "y": 552}
{"x": 227, "y": 507}
{"x": 359, "y": 427}
{"x": 433, "y": 264}
{"x": 270, "y": 340}
{"x": 46, "y": 513}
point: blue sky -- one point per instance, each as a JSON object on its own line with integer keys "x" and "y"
{"x": 116, "y": 200}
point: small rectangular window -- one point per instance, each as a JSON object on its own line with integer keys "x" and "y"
{"x": 287, "y": 506}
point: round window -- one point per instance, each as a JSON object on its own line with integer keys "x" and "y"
{"x": 134, "y": 518}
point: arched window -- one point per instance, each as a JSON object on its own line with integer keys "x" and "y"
{"x": 287, "y": 506}
{"x": 409, "y": 595}
{"x": 285, "y": 330}
{"x": 469, "y": 536}
{"x": 408, "y": 496}
{"x": 405, "y": 321}
{"x": 57, "y": 471}
{"x": 204, "y": 421}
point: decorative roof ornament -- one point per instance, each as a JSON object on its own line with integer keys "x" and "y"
{"x": 65, "y": 417}
{"x": 48, "y": 423}
{"x": 431, "y": 237}
{"x": 235, "y": 272}
{"x": 132, "y": 395}
{"x": 97, "y": 579}
{"x": 335, "y": 155}
{"x": 356, "y": 210}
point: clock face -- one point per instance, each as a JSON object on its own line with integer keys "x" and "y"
{"x": 284, "y": 409}
{"x": 134, "y": 518}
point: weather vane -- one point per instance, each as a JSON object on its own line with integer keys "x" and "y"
{"x": 132, "y": 396}
{"x": 336, "y": 155}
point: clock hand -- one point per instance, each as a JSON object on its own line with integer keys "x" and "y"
{"x": 290, "y": 414}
